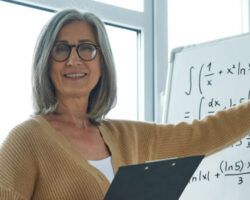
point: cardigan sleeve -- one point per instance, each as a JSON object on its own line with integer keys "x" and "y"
{"x": 203, "y": 137}
{"x": 17, "y": 165}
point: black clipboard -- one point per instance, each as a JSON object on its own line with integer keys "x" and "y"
{"x": 161, "y": 180}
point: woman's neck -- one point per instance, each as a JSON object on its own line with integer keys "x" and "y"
{"x": 73, "y": 112}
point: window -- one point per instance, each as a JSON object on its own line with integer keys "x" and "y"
{"x": 192, "y": 22}
{"x": 18, "y": 36}
{"x": 129, "y": 4}
{"x": 126, "y": 37}
{"x": 197, "y": 21}
{"x": 126, "y": 59}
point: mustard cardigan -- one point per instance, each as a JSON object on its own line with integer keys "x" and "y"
{"x": 38, "y": 163}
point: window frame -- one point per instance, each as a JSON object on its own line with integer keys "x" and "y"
{"x": 153, "y": 28}
{"x": 153, "y": 59}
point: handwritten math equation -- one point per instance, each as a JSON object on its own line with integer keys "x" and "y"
{"x": 208, "y": 72}
{"x": 243, "y": 143}
{"x": 205, "y": 76}
{"x": 202, "y": 81}
{"x": 238, "y": 169}
{"x": 209, "y": 105}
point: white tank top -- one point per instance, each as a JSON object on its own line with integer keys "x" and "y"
{"x": 104, "y": 166}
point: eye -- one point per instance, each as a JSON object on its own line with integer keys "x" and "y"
{"x": 87, "y": 47}
{"x": 60, "y": 48}
{"x": 87, "y": 51}
{"x": 60, "y": 52}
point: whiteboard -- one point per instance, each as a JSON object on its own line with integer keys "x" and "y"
{"x": 203, "y": 79}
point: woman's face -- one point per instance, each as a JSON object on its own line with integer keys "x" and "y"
{"x": 75, "y": 77}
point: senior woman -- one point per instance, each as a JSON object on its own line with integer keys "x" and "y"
{"x": 56, "y": 153}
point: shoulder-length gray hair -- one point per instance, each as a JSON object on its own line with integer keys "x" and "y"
{"x": 103, "y": 97}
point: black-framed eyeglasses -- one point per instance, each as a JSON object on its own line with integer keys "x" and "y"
{"x": 86, "y": 51}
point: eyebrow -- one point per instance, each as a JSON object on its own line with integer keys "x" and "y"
{"x": 80, "y": 41}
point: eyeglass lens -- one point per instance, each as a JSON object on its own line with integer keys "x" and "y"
{"x": 85, "y": 51}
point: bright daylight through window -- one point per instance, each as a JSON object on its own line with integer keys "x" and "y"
{"x": 20, "y": 34}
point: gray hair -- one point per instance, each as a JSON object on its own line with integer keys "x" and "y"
{"x": 103, "y": 97}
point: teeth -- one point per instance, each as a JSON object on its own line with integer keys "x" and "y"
{"x": 74, "y": 75}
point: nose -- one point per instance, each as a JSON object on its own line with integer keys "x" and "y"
{"x": 73, "y": 59}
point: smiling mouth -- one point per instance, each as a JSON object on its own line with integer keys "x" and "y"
{"x": 75, "y": 76}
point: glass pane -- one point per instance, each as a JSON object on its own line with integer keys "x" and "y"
{"x": 137, "y": 5}
{"x": 15, "y": 84}
{"x": 196, "y": 21}
{"x": 20, "y": 27}
{"x": 124, "y": 46}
